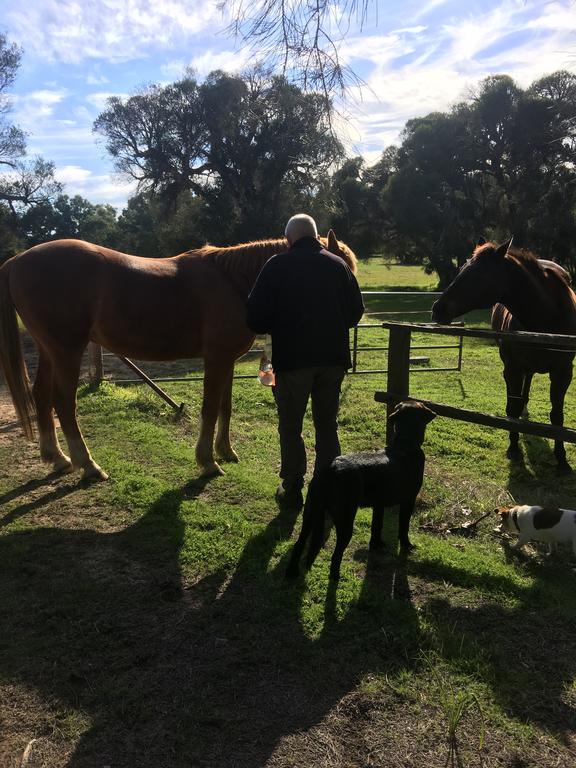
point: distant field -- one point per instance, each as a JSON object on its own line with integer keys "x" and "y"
{"x": 375, "y": 274}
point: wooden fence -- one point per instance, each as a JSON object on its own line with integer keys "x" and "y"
{"x": 97, "y": 356}
{"x": 398, "y": 385}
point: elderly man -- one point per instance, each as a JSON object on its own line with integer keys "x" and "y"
{"x": 306, "y": 299}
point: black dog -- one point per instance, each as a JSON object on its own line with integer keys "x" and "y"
{"x": 369, "y": 479}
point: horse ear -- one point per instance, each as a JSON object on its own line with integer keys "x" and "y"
{"x": 503, "y": 249}
{"x": 333, "y": 246}
{"x": 481, "y": 241}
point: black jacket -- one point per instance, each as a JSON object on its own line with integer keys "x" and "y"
{"x": 307, "y": 299}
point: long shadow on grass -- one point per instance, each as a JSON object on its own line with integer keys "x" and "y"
{"x": 526, "y": 653}
{"x": 59, "y": 492}
{"x": 216, "y": 674}
{"x": 211, "y": 675}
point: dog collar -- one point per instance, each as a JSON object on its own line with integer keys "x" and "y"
{"x": 515, "y": 519}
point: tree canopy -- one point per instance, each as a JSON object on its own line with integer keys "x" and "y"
{"x": 500, "y": 163}
{"x": 23, "y": 182}
{"x": 249, "y": 146}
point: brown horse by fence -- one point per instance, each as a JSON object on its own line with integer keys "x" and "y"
{"x": 70, "y": 292}
{"x": 526, "y": 295}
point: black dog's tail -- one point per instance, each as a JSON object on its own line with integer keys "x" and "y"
{"x": 312, "y": 526}
{"x": 317, "y": 514}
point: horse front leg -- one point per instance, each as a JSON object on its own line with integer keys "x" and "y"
{"x": 559, "y": 383}
{"x": 526, "y": 394}
{"x": 66, "y": 371}
{"x": 223, "y": 446}
{"x": 215, "y": 378}
{"x": 514, "y": 406}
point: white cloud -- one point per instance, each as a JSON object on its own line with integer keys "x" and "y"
{"x": 206, "y": 62}
{"x": 96, "y": 79}
{"x": 229, "y": 61}
{"x": 98, "y": 188}
{"x": 36, "y": 106}
{"x": 430, "y": 6}
{"x": 99, "y": 100}
{"x": 72, "y": 174}
{"x": 526, "y": 40}
{"x": 111, "y": 30}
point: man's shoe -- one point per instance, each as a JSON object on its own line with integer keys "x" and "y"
{"x": 289, "y": 495}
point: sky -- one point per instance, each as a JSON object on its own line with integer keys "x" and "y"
{"x": 415, "y": 57}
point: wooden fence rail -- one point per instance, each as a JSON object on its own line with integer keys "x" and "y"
{"x": 398, "y": 385}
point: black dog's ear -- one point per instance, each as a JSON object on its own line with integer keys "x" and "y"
{"x": 428, "y": 413}
{"x": 395, "y": 413}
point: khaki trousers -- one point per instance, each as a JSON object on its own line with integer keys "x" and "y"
{"x": 292, "y": 392}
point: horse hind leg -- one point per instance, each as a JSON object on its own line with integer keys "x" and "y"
{"x": 559, "y": 384}
{"x": 222, "y": 444}
{"x": 42, "y": 391}
{"x": 66, "y": 371}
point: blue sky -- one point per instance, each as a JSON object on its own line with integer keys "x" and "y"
{"x": 416, "y": 57}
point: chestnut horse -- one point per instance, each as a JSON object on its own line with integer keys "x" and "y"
{"x": 526, "y": 294}
{"x": 70, "y": 292}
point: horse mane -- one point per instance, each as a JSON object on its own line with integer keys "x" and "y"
{"x": 237, "y": 260}
{"x": 243, "y": 258}
{"x": 529, "y": 261}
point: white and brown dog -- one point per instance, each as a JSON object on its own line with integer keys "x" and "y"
{"x": 531, "y": 523}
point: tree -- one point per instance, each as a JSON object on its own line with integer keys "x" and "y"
{"x": 250, "y": 147}
{"x": 356, "y": 215}
{"x": 499, "y": 164}
{"x": 147, "y": 228}
{"x": 67, "y": 217}
{"x": 12, "y": 139}
{"x": 23, "y": 182}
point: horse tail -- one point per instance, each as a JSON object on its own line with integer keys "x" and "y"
{"x": 12, "y": 359}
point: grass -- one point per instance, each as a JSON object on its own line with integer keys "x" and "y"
{"x": 146, "y": 622}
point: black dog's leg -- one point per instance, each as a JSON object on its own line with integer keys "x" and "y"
{"x": 406, "y": 510}
{"x": 344, "y": 523}
{"x": 376, "y": 532}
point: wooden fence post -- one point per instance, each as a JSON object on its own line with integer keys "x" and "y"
{"x": 398, "y": 369}
{"x": 96, "y": 363}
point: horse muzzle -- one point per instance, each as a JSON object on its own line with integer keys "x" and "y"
{"x": 441, "y": 313}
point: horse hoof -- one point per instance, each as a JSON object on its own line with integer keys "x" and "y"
{"x": 376, "y": 546}
{"x": 563, "y": 469}
{"x": 62, "y": 466}
{"x": 229, "y": 455}
{"x": 93, "y": 473}
{"x": 211, "y": 470}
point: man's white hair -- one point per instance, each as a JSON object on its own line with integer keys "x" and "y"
{"x": 299, "y": 226}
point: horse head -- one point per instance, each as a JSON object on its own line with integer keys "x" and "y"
{"x": 478, "y": 285}
{"x": 332, "y": 244}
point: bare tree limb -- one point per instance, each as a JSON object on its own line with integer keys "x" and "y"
{"x": 300, "y": 38}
